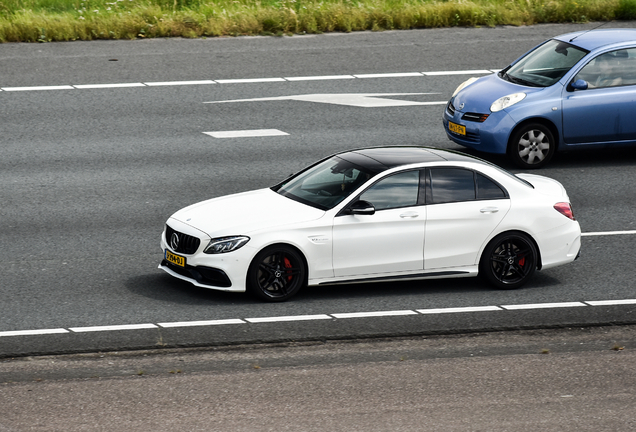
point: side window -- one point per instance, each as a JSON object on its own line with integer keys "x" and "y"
{"x": 450, "y": 185}
{"x": 397, "y": 190}
{"x": 611, "y": 69}
{"x": 488, "y": 189}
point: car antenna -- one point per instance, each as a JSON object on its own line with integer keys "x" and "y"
{"x": 601, "y": 25}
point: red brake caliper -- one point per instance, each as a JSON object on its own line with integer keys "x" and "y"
{"x": 288, "y": 266}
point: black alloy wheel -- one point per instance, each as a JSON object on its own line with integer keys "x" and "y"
{"x": 509, "y": 260}
{"x": 276, "y": 274}
{"x": 532, "y": 146}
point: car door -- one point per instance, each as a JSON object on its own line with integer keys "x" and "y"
{"x": 606, "y": 110}
{"x": 388, "y": 241}
{"x": 463, "y": 209}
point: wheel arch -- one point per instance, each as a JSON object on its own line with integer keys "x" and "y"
{"x": 514, "y": 231}
{"x": 284, "y": 244}
{"x": 540, "y": 120}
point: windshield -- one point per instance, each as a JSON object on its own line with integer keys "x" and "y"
{"x": 326, "y": 184}
{"x": 545, "y": 65}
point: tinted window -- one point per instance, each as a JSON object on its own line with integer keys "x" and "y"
{"x": 325, "y": 184}
{"x": 450, "y": 185}
{"x": 397, "y": 190}
{"x": 488, "y": 189}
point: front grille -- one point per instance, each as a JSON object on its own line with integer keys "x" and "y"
{"x": 475, "y": 117}
{"x": 187, "y": 244}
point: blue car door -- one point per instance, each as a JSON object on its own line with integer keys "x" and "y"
{"x": 606, "y": 110}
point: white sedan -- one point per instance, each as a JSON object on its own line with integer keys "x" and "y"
{"x": 371, "y": 215}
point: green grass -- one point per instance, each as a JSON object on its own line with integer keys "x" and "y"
{"x": 65, "y": 20}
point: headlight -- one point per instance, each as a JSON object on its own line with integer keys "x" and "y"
{"x": 507, "y": 101}
{"x": 225, "y": 244}
{"x": 463, "y": 85}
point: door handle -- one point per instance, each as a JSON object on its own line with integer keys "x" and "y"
{"x": 409, "y": 215}
{"x": 489, "y": 210}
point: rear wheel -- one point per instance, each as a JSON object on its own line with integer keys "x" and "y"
{"x": 276, "y": 274}
{"x": 532, "y": 146}
{"x": 509, "y": 260}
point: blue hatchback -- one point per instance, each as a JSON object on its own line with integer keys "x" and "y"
{"x": 575, "y": 90}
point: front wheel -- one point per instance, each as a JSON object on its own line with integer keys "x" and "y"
{"x": 509, "y": 260}
{"x": 276, "y": 274}
{"x": 532, "y": 146}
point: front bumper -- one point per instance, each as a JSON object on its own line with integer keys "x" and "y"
{"x": 224, "y": 272}
{"x": 490, "y": 136}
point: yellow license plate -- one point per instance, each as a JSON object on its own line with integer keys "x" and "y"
{"x": 175, "y": 259}
{"x": 455, "y": 128}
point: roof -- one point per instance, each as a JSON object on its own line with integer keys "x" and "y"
{"x": 593, "y": 39}
{"x": 378, "y": 159}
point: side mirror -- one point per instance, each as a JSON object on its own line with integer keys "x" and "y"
{"x": 362, "y": 207}
{"x": 579, "y": 85}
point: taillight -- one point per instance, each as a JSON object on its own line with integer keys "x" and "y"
{"x": 565, "y": 209}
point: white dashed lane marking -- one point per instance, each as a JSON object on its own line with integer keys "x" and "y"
{"x": 321, "y": 317}
{"x": 246, "y": 133}
{"x": 248, "y": 80}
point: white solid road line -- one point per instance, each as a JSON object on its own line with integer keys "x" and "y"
{"x": 607, "y": 233}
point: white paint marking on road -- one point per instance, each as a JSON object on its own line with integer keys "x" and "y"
{"x": 607, "y": 233}
{"x": 246, "y": 133}
{"x": 103, "y": 86}
{"x": 61, "y": 87}
{"x": 112, "y": 328}
{"x": 390, "y": 75}
{"x": 320, "y": 78}
{"x": 33, "y": 332}
{"x": 543, "y": 306}
{"x": 320, "y": 317}
{"x": 373, "y": 314}
{"x": 289, "y": 318}
{"x": 363, "y": 100}
{"x": 459, "y": 310}
{"x": 200, "y": 323}
{"x": 178, "y": 83}
{"x": 464, "y": 72}
{"x": 611, "y": 302}
{"x": 249, "y": 80}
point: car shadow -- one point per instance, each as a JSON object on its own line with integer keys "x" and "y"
{"x": 165, "y": 288}
{"x": 449, "y": 287}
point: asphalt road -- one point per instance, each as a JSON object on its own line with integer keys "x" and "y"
{"x": 567, "y": 380}
{"x": 96, "y": 155}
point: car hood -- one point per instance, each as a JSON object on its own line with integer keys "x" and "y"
{"x": 245, "y": 212}
{"x": 479, "y": 96}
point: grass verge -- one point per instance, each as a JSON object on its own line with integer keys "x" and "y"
{"x": 66, "y": 20}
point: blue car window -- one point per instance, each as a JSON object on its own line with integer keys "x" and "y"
{"x": 614, "y": 68}
{"x": 545, "y": 65}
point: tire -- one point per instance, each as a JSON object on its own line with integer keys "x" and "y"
{"x": 509, "y": 260}
{"x": 276, "y": 274}
{"x": 532, "y": 146}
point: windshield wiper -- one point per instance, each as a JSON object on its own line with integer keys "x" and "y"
{"x": 521, "y": 81}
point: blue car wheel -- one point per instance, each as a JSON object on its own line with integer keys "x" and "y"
{"x": 532, "y": 146}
